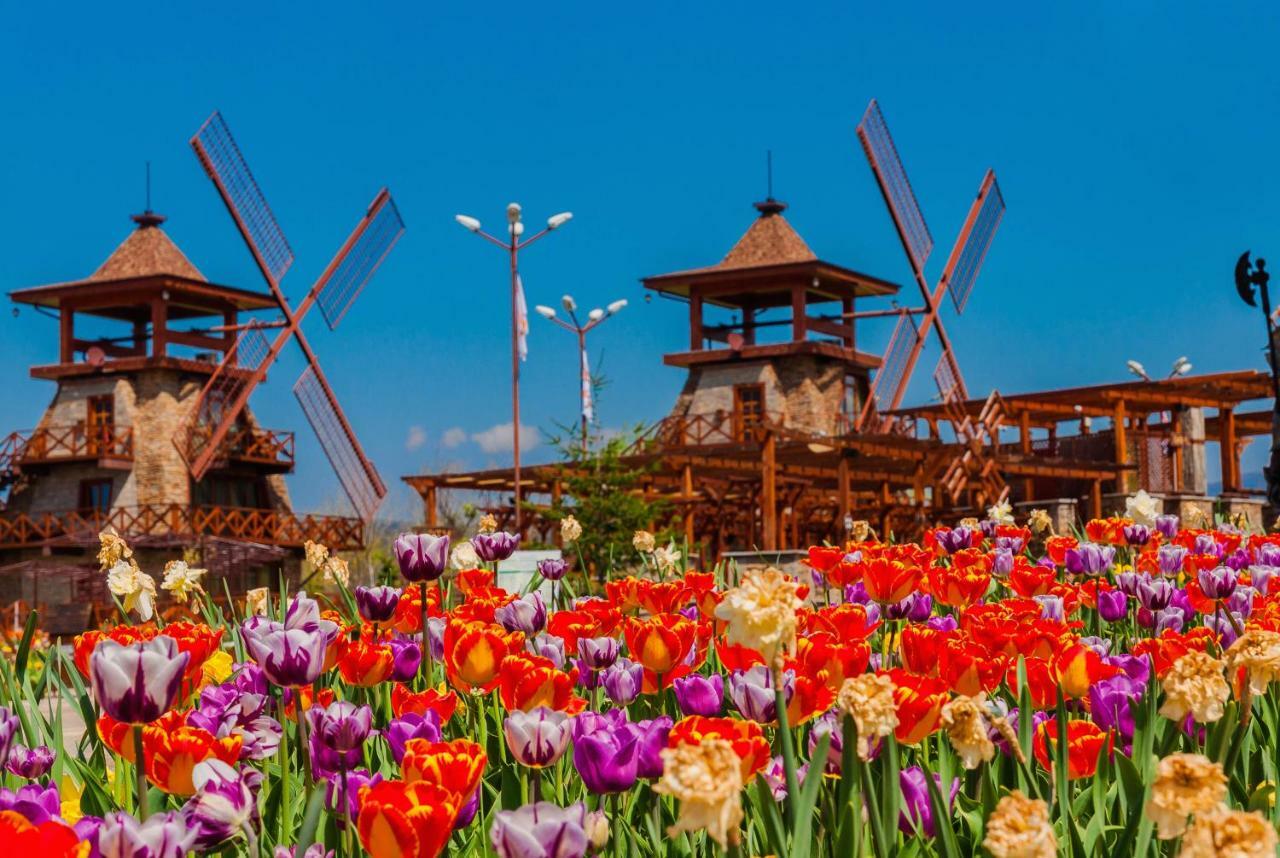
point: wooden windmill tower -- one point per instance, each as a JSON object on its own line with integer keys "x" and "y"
{"x": 151, "y": 353}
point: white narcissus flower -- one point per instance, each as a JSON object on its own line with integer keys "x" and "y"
{"x": 137, "y": 588}
{"x": 643, "y": 541}
{"x": 1142, "y": 508}
{"x": 1001, "y": 513}
{"x": 667, "y": 559}
{"x": 570, "y": 530}
{"x": 182, "y": 580}
{"x": 255, "y": 602}
{"x": 464, "y": 556}
{"x": 336, "y": 569}
{"x": 761, "y": 612}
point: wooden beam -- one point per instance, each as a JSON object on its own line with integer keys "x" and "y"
{"x": 846, "y": 309}
{"x": 67, "y": 334}
{"x": 769, "y": 493}
{"x": 1227, "y": 450}
{"x": 200, "y": 341}
{"x": 1024, "y": 444}
{"x": 695, "y": 321}
{"x": 429, "y": 507}
{"x": 1122, "y": 443}
{"x": 835, "y": 329}
{"x": 159, "y": 327}
{"x": 842, "y": 488}
{"x": 686, "y": 479}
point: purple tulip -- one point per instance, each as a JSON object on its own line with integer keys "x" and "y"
{"x": 775, "y": 775}
{"x": 348, "y": 785}
{"x": 377, "y": 604}
{"x": 496, "y": 546}
{"x": 468, "y": 811}
{"x": 1128, "y": 582}
{"x": 548, "y": 646}
{"x": 1170, "y": 619}
{"x": 1167, "y": 526}
{"x": 901, "y": 610}
{"x": 37, "y": 803}
{"x": 224, "y": 710}
{"x": 857, "y": 591}
{"x": 1155, "y": 593}
{"x": 1012, "y": 544}
{"x": 954, "y": 539}
{"x": 1218, "y": 583}
{"x": 650, "y": 741}
{"x": 406, "y": 656}
{"x": 1110, "y": 703}
{"x": 291, "y": 654}
{"x": 829, "y": 723}
{"x": 622, "y": 681}
{"x": 1237, "y": 560}
{"x": 9, "y": 727}
{"x": 1206, "y": 544}
{"x": 1241, "y": 601}
{"x": 1002, "y": 562}
{"x": 225, "y": 805}
{"x": 700, "y": 695}
{"x": 411, "y": 726}
{"x": 917, "y": 811}
{"x": 527, "y": 614}
{"x": 1261, "y": 576}
{"x": 1267, "y": 554}
{"x": 1137, "y": 534}
{"x": 421, "y": 556}
{"x": 553, "y": 568}
{"x": 606, "y": 752}
{"x": 1090, "y": 559}
{"x": 315, "y": 850}
{"x": 537, "y": 738}
{"x": 1051, "y": 608}
{"x": 752, "y": 693}
{"x": 137, "y": 683}
{"x": 598, "y": 653}
{"x": 1101, "y": 646}
{"x": 1221, "y": 626}
{"x": 250, "y": 679}
{"x": 544, "y": 830}
{"x": 1113, "y": 605}
{"x": 30, "y": 763}
{"x": 943, "y": 624}
{"x": 338, "y": 734}
{"x": 119, "y": 835}
{"x": 435, "y": 637}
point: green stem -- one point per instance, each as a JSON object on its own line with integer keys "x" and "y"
{"x": 785, "y": 740}
{"x": 304, "y": 750}
{"x": 425, "y": 664}
{"x": 140, "y": 768}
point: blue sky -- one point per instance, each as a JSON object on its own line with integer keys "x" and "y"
{"x": 1134, "y": 144}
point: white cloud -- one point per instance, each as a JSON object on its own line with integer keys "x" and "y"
{"x": 455, "y": 437}
{"x": 417, "y": 437}
{"x": 497, "y": 439}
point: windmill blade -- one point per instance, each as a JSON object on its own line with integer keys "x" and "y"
{"x": 947, "y": 376}
{"x": 971, "y": 246}
{"x": 218, "y": 152}
{"x": 222, "y": 400}
{"x": 359, "y": 478}
{"x": 360, "y": 257}
{"x": 893, "y": 370}
{"x": 894, "y": 185}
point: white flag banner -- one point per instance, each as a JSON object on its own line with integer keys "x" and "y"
{"x": 588, "y": 412}
{"x": 522, "y": 320}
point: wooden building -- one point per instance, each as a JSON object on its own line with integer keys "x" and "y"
{"x": 137, "y": 339}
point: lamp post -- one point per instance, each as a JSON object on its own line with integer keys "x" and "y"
{"x": 513, "y": 245}
{"x": 595, "y": 317}
{"x": 1247, "y": 276}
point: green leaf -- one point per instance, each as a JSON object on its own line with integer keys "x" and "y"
{"x": 310, "y": 820}
{"x": 941, "y": 817}
{"x": 801, "y": 841}
{"x": 24, "y": 646}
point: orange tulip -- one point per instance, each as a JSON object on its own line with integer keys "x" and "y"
{"x": 1042, "y": 684}
{"x": 736, "y": 656}
{"x": 810, "y": 697}
{"x": 526, "y": 682}
{"x": 1056, "y": 547}
{"x": 468, "y": 580}
{"x": 1085, "y": 741}
{"x": 919, "y": 700}
{"x": 309, "y": 697}
{"x": 408, "y": 616}
{"x": 969, "y": 668}
{"x": 473, "y": 652}
{"x": 889, "y": 581}
{"x": 746, "y": 737}
{"x": 456, "y": 765}
{"x": 1030, "y": 579}
{"x": 660, "y": 643}
{"x": 921, "y": 648}
{"x": 624, "y": 593}
{"x": 171, "y": 755}
{"x": 406, "y": 820}
{"x": 1171, "y": 646}
{"x": 664, "y": 597}
{"x": 437, "y": 700}
{"x": 822, "y": 656}
{"x": 84, "y": 645}
{"x": 847, "y": 621}
{"x": 118, "y": 736}
{"x": 50, "y": 839}
{"x": 1077, "y": 667}
{"x": 364, "y": 662}
{"x": 959, "y": 585}
{"x": 583, "y": 622}
{"x": 823, "y": 558}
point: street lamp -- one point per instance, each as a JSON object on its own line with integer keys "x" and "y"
{"x": 513, "y": 245}
{"x": 595, "y": 317}
{"x": 1137, "y": 369}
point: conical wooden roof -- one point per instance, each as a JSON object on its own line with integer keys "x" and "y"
{"x": 770, "y": 240}
{"x": 146, "y": 252}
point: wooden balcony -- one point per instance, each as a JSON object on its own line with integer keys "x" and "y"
{"x": 698, "y": 430}
{"x": 108, "y": 446}
{"x": 269, "y": 527}
{"x": 268, "y": 448}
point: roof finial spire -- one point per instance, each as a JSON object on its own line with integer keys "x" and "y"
{"x": 770, "y": 206}
{"x": 768, "y": 168}
{"x": 148, "y": 218}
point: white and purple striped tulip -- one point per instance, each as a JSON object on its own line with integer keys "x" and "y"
{"x": 30, "y": 763}
{"x": 9, "y": 725}
{"x": 545, "y": 830}
{"x": 492, "y": 547}
{"x": 163, "y": 835}
{"x": 291, "y": 654}
{"x": 537, "y": 738}
{"x": 421, "y": 556}
{"x": 526, "y": 614}
{"x": 137, "y": 683}
{"x": 377, "y": 604}
{"x": 223, "y": 807}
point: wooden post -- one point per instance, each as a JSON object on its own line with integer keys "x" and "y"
{"x": 799, "y": 321}
{"x": 749, "y": 325}
{"x": 1227, "y": 449}
{"x": 429, "y": 508}
{"x": 687, "y": 491}
{"x": 1122, "y": 446}
{"x": 842, "y": 491}
{"x": 769, "y": 492}
{"x": 846, "y": 309}
{"x": 695, "y": 321}
{"x": 1024, "y": 443}
{"x": 918, "y": 485}
{"x": 159, "y": 327}
{"x": 1095, "y": 500}
{"x": 67, "y": 334}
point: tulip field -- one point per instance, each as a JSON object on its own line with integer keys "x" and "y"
{"x": 996, "y": 689}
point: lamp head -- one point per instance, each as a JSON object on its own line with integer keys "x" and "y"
{"x": 545, "y": 311}
{"x": 513, "y": 212}
{"x": 468, "y": 222}
{"x": 616, "y": 306}
{"x": 569, "y": 304}
{"x": 558, "y": 220}
{"x": 1137, "y": 369}
{"x": 596, "y": 315}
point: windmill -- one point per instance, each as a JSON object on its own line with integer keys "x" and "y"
{"x": 222, "y": 401}
{"x": 958, "y": 278}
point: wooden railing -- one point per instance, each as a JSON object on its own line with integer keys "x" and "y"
{"x": 51, "y": 443}
{"x": 270, "y": 527}
{"x": 719, "y": 427}
{"x": 264, "y": 446}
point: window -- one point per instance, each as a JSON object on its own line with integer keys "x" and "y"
{"x": 748, "y": 408}
{"x": 95, "y": 496}
{"x": 99, "y": 422}
{"x": 232, "y": 491}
